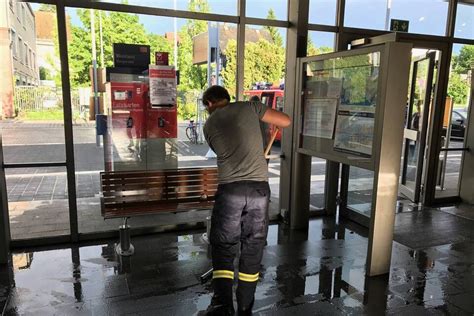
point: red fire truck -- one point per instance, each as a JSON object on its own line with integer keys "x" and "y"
{"x": 273, "y": 98}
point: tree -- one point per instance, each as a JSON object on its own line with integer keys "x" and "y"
{"x": 117, "y": 27}
{"x": 192, "y": 76}
{"x": 458, "y": 89}
{"x": 313, "y": 50}
{"x": 462, "y": 63}
{"x": 47, "y": 7}
{"x": 264, "y": 62}
{"x": 274, "y": 33}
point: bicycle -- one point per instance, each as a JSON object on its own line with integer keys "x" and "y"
{"x": 191, "y": 132}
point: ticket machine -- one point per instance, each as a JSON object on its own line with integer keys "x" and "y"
{"x": 142, "y": 130}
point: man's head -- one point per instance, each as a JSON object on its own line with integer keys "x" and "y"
{"x": 214, "y": 97}
{"x": 254, "y": 98}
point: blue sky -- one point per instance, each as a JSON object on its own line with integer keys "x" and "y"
{"x": 425, "y": 16}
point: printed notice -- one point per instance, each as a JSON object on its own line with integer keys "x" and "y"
{"x": 162, "y": 85}
{"x": 320, "y": 117}
{"x": 354, "y": 132}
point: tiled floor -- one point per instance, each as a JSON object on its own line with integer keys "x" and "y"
{"x": 319, "y": 272}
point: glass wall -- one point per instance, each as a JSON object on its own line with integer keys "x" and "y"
{"x": 464, "y": 21}
{"x": 360, "y": 188}
{"x": 455, "y": 121}
{"x": 32, "y": 125}
{"x": 126, "y": 149}
{"x": 320, "y": 43}
{"x": 424, "y": 16}
{"x": 38, "y": 202}
{"x": 228, "y": 7}
{"x": 267, "y": 9}
{"x": 264, "y": 74}
{"x": 322, "y": 12}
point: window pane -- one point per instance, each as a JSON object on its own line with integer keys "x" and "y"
{"x": 464, "y": 23}
{"x": 424, "y": 16}
{"x": 227, "y": 7}
{"x": 37, "y": 202}
{"x": 32, "y": 122}
{"x": 322, "y": 12}
{"x": 320, "y": 43}
{"x": 267, "y": 9}
{"x": 456, "y": 106}
{"x": 135, "y": 148}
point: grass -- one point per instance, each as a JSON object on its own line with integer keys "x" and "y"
{"x": 49, "y": 115}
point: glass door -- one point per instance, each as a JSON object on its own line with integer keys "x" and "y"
{"x": 416, "y": 126}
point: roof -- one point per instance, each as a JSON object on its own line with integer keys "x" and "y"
{"x": 46, "y": 25}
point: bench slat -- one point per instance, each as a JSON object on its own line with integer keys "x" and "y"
{"x": 148, "y": 185}
{"x": 156, "y": 210}
{"x": 158, "y": 179}
{"x": 131, "y": 193}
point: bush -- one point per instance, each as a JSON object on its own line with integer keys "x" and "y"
{"x": 187, "y": 111}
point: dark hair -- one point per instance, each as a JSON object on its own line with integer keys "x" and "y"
{"x": 214, "y": 94}
{"x": 254, "y": 98}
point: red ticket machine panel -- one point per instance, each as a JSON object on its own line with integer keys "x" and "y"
{"x": 128, "y": 107}
{"x": 162, "y": 122}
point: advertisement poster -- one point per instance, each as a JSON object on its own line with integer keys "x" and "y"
{"x": 320, "y": 117}
{"x": 354, "y": 132}
{"x": 162, "y": 85}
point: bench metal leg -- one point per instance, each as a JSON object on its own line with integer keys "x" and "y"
{"x": 125, "y": 247}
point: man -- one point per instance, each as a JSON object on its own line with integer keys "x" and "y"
{"x": 240, "y": 213}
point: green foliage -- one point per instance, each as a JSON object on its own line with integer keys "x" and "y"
{"x": 462, "y": 63}
{"x": 192, "y": 76}
{"x": 264, "y": 61}
{"x": 312, "y": 50}
{"x": 47, "y": 7}
{"x": 276, "y": 36}
{"x": 44, "y": 73}
{"x": 49, "y": 115}
{"x": 187, "y": 111}
{"x": 117, "y": 27}
{"x": 458, "y": 89}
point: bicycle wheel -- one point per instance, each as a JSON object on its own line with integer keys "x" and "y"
{"x": 190, "y": 134}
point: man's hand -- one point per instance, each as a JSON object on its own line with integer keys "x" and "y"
{"x": 277, "y": 118}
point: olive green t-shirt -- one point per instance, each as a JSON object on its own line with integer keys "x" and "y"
{"x": 233, "y": 133}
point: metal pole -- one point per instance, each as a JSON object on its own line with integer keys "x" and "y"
{"x": 101, "y": 41}
{"x": 4, "y": 214}
{"x": 387, "y": 15}
{"x": 218, "y": 58}
{"x": 94, "y": 73}
{"x": 209, "y": 69}
{"x": 175, "y": 39}
{"x": 68, "y": 131}
{"x": 240, "y": 51}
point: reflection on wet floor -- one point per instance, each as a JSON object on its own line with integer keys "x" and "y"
{"x": 321, "y": 272}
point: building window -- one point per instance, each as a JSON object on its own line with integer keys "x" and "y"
{"x": 25, "y": 60}
{"x": 20, "y": 50}
{"x": 23, "y": 15}
{"x": 14, "y": 44}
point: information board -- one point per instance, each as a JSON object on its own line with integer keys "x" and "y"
{"x": 340, "y": 100}
{"x": 320, "y": 117}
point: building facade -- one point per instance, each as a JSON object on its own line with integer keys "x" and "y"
{"x": 17, "y": 50}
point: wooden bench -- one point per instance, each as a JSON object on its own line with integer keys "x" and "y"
{"x": 134, "y": 193}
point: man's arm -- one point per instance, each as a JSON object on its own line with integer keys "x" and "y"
{"x": 277, "y": 118}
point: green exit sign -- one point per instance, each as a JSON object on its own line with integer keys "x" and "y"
{"x": 399, "y": 25}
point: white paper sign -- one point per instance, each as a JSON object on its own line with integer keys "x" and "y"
{"x": 320, "y": 117}
{"x": 162, "y": 85}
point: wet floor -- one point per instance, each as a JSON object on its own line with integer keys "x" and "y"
{"x": 318, "y": 273}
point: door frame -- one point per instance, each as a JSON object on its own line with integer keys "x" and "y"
{"x": 436, "y": 113}
{"x": 416, "y": 135}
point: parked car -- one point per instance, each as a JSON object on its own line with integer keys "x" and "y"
{"x": 458, "y": 124}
